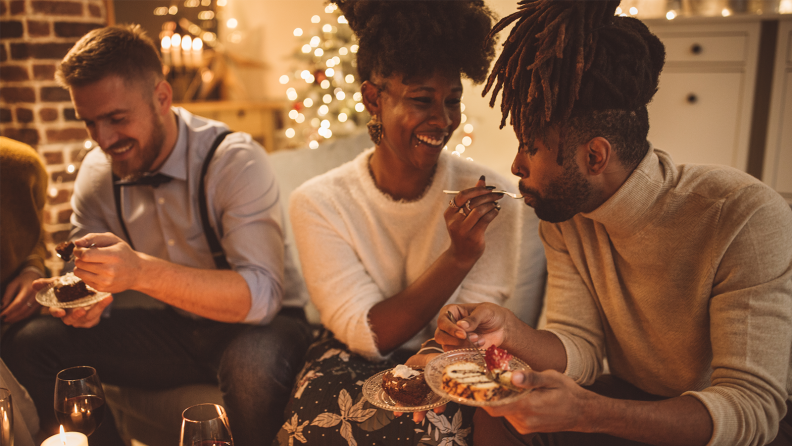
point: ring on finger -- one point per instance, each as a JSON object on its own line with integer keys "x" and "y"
{"x": 453, "y": 204}
{"x": 467, "y": 205}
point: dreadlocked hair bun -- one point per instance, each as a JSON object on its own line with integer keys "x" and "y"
{"x": 570, "y": 58}
{"x": 417, "y": 38}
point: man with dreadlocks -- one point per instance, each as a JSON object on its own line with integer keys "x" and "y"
{"x": 680, "y": 274}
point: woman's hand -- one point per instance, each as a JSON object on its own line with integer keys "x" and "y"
{"x": 467, "y": 217}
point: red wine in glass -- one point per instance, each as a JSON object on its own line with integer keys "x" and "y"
{"x": 81, "y": 413}
{"x": 79, "y": 399}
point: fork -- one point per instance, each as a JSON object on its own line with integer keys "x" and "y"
{"x": 511, "y": 194}
{"x": 487, "y": 371}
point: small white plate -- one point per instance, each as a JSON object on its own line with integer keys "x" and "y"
{"x": 46, "y": 296}
{"x": 372, "y": 391}
{"x": 434, "y": 376}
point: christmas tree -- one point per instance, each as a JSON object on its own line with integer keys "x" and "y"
{"x": 325, "y": 88}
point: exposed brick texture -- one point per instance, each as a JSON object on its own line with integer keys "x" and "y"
{"x": 74, "y": 29}
{"x": 34, "y": 37}
{"x": 10, "y": 29}
{"x": 43, "y": 72}
{"x": 17, "y": 94}
{"x": 54, "y": 94}
{"x": 13, "y": 73}
{"x": 24, "y": 115}
{"x": 21, "y": 51}
{"x": 58, "y": 8}
{"x": 27, "y": 136}
{"x": 38, "y": 29}
{"x": 53, "y": 157}
{"x": 65, "y": 135}
{"x": 17, "y": 7}
{"x": 48, "y": 114}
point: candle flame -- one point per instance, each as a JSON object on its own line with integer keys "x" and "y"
{"x": 62, "y": 435}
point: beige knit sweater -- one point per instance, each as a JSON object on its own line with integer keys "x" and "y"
{"x": 683, "y": 279}
{"x": 359, "y": 247}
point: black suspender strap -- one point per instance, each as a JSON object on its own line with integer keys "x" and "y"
{"x": 117, "y": 197}
{"x": 218, "y": 255}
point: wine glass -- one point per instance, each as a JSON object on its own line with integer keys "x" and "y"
{"x": 6, "y": 418}
{"x": 79, "y": 399}
{"x": 205, "y": 425}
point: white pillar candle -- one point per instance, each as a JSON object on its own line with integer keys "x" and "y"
{"x": 66, "y": 439}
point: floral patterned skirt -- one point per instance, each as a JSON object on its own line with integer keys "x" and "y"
{"x": 327, "y": 407}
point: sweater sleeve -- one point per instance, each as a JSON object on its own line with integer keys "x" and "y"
{"x": 751, "y": 320}
{"x": 339, "y": 285}
{"x": 572, "y": 314}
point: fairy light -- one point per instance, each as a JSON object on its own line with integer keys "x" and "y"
{"x": 313, "y": 145}
{"x": 328, "y": 133}
{"x": 310, "y": 79}
{"x": 290, "y": 133}
{"x": 461, "y": 106}
{"x": 304, "y": 74}
{"x": 162, "y": 10}
{"x": 618, "y": 10}
{"x": 222, "y": 2}
{"x": 327, "y": 28}
{"x": 197, "y": 44}
{"x": 173, "y": 10}
{"x": 342, "y": 20}
{"x": 53, "y": 191}
{"x": 325, "y": 84}
{"x": 460, "y": 148}
{"x": 70, "y": 169}
{"x": 315, "y": 19}
{"x": 318, "y": 52}
{"x": 293, "y": 114}
{"x": 463, "y": 118}
{"x": 327, "y": 99}
{"x": 315, "y": 41}
{"x": 291, "y": 93}
{"x": 207, "y": 76}
{"x": 328, "y": 9}
{"x": 359, "y": 107}
{"x": 232, "y": 23}
{"x": 340, "y": 95}
{"x": 467, "y": 141}
{"x": 88, "y": 144}
{"x": 330, "y": 63}
{"x": 329, "y": 72}
{"x": 306, "y": 48}
{"x": 358, "y": 96}
{"x": 785, "y": 7}
{"x": 206, "y": 2}
{"x": 323, "y": 110}
{"x": 300, "y": 118}
{"x": 349, "y": 79}
{"x": 206, "y": 15}
{"x": 468, "y": 128}
{"x": 342, "y": 117}
{"x": 308, "y": 102}
{"x": 353, "y": 48}
{"x": 343, "y": 51}
{"x": 298, "y": 32}
{"x": 671, "y": 15}
{"x": 726, "y": 12}
{"x": 284, "y": 79}
{"x": 325, "y": 124}
{"x": 633, "y": 10}
{"x": 315, "y": 122}
{"x": 176, "y": 40}
{"x": 208, "y": 36}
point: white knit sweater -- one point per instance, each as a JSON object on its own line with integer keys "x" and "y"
{"x": 359, "y": 247}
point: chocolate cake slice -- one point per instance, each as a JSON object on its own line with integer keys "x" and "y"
{"x": 406, "y": 386}
{"x": 71, "y": 288}
{"x": 65, "y": 250}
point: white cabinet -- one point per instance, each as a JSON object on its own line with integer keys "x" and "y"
{"x": 703, "y": 108}
{"x": 778, "y": 153}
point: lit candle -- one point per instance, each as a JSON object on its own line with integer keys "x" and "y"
{"x": 66, "y": 439}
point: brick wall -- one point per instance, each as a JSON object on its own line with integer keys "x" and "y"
{"x": 34, "y": 37}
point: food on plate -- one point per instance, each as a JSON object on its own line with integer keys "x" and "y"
{"x": 65, "y": 250}
{"x": 406, "y": 386}
{"x": 70, "y": 288}
{"x": 468, "y": 379}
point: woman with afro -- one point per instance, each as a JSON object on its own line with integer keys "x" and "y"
{"x": 679, "y": 275}
{"x": 383, "y": 248}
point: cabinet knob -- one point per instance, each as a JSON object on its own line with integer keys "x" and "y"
{"x": 692, "y": 98}
{"x": 696, "y": 48}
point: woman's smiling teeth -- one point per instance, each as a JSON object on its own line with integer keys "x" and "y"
{"x": 428, "y": 140}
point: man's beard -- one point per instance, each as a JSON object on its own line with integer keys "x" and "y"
{"x": 564, "y": 198}
{"x": 133, "y": 169}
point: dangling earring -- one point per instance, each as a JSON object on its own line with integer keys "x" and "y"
{"x": 375, "y": 129}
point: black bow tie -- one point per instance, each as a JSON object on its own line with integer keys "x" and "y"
{"x": 147, "y": 180}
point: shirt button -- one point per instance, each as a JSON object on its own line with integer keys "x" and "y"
{"x": 161, "y": 200}
{"x": 171, "y": 242}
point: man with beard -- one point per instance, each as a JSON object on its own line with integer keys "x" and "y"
{"x": 228, "y": 317}
{"x": 679, "y": 275}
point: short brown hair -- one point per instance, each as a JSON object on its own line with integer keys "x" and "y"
{"x": 125, "y": 51}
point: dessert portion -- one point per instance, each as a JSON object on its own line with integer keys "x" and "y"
{"x": 406, "y": 386}
{"x": 65, "y": 250}
{"x": 70, "y": 288}
{"x": 467, "y": 379}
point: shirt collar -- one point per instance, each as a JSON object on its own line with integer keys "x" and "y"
{"x": 632, "y": 207}
{"x": 176, "y": 164}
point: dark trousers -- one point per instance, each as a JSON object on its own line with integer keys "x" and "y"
{"x": 497, "y": 431}
{"x": 158, "y": 349}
